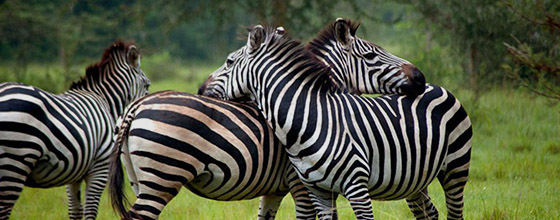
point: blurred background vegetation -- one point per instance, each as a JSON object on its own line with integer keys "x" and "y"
{"x": 500, "y": 58}
{"x": 475, "y": 44}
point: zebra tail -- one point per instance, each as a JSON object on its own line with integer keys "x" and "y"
{"x": 119, "y": 201}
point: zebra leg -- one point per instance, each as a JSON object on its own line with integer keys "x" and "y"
{"x": 453, "y": 183}
{"x": 421, "y": 205}
{"x": 325, "y": 205}
{"x": 95, "y": 183}
{"x": 301, "y": 196}
{"x": 15, "y": 167}
{"x": 74, "y": 202}
{"x": 358, "y": 197}
{"x": 156, "y": 188}
{"x": 153, "y": 197}
{"x": 269, "y": 206}
{"x": 10, "y": 189}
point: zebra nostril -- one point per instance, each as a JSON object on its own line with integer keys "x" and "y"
{"x": 418, "y": 78}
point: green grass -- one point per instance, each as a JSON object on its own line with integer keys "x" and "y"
{"x": 515, "y": 166}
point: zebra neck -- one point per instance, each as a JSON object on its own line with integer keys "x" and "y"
{"x": 107, "y": 96}
{"x": 286, "y": 96}
{"x": 328, "y": 52}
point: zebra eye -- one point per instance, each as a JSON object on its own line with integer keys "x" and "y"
{"x": 369, "y": 55}
{"x": 229, "y": 62}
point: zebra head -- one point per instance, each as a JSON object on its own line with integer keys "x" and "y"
{"x": 213, "y": 86}
{"x": 123, "y": 66}
{"x": 230, "y": 72}
{"x": 359, "y": 66}
{"x": 138, "y": 81}
{"x": 117, "y": 77}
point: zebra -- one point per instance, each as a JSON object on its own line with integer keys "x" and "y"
{"x": 383, "y": 148}
{"x": 361, "y": 67}
{"x": 218, "y": 150}
{"x": 49, "y": 140}
{"x": 148, "y": 117}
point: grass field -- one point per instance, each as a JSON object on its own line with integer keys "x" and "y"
{"x": 515, "y": 166}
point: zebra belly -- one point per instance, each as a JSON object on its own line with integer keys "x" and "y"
{"x": 51, "y": 172}
{"x": 213, "y": 184}
{"x": 386, "y": 180}
{"x": 402, "y": 181}
{"x": 39, "y": 176}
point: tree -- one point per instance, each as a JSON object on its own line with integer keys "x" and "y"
{"x": 23, "y": 27}
{"x": 535, "y": 61}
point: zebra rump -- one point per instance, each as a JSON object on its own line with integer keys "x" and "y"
{"x": 218, "y": 150}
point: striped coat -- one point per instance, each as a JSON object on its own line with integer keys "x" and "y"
{"x": 218, "y": 150}
{"x": 49, "y": 140}
{"x": 363, "y": 148}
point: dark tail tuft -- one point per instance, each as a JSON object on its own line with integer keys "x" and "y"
{"x": 116, "y": 187}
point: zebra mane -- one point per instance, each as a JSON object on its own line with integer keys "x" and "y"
{"x": 285, "y": 41}
{"x": 94, "y": 71}
{"x": 327, "y": 35}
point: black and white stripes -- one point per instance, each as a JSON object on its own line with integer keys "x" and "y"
{"x": 363, "y": 148}
{"x": 360, "y": 66}
{"x": 49, "y": 140}
{"x": 218, "y": 150}
{"x": 202, "y": 117}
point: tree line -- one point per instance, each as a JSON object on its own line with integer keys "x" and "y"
{"x": 497, "y": 41}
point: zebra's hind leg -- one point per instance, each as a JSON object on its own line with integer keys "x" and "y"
{"x": 15, "y": 168}
{"x": 358, "y": 196}
{"x": 74, "y": 202}
{"x": 325, "y": 205}
{"x": 95, "y": 183}
{"x": 421, "y": 205}
{"x": 302, "y": 197}
{"x": 269, "y": 206}
{"x": 453, "y": 183}
{"x": 156, "y": 188}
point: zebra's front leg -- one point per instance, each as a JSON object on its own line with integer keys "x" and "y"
{"x": 269, "y": 206}
{"x": 74, "y": 202}
{"x": 95, "y": 183}
{"x": 421, "y": 205}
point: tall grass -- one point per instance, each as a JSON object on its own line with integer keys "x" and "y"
{"x": 514, "y": 168}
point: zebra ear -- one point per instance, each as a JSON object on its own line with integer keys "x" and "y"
{"x": 133, "y": 56}
{"x": 342, "y": 32}
{"x": 280, "y": 30}
{"x": 256, "y": 38}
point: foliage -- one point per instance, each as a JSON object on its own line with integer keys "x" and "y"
{"x": 479, "y": 28}
{"x": 536, "y": 61}
{"x": 72, "y": 31}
